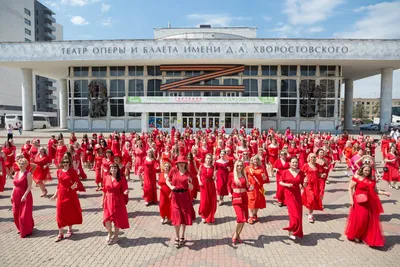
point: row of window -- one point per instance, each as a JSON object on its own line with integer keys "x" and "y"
{"x": 269, "y": 87}
{"x": 286, "y": 70}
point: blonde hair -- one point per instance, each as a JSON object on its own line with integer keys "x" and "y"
{"x": 257, "y": 158}
{"x": 235, "y": 173}
{"x": 310, "y": 155}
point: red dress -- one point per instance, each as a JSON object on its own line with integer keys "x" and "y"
{"x": 256, "y": 196}
{"x": 114, "y": 207}
{"x": 222, "y": 178}
{"x": 324, "y": 169}
{"x": 105, "y": 165}
{"x": 182, "y": 211}
{"x": 69, "y": 210}
{"x": 10, "y": 159}
{"x": 22, "y": 211}
{"x": 195, "y": 181}
{"x": 293, "y": 202}
{"x": 280, "y": 196}
{"x": 98, "y": 161}
{"x": 208, "y": 195}
{"x": 272, "y": 154}
{"x": 3, "y": 176}
{"x": 127, "y": 158}
{"x": 51, "y": 151}
{"x": 165, "y": 200}
{"x": 150, "y": 181}
{"x": 60, "y": 151}
{"x": 77, "y": 158}
{"x": 115, "y": 147}
{"x": 311, "y": 196}
{"x": 363, "y": 222}
{"x": 393, "y": 169}
{"x": 140, "y": 154}
{"x": 241, "y": 209}
{"x": 41, "y": 174}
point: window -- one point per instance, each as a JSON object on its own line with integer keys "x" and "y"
{"x": 307, "y": 108}
{"x": 81, "y": 88}
{"x": 81, "y": 71}
{"x": 247, "y": 120}
{"x": 192, "y": 93}
{"x": 307, "y": 88}
{"x": 288, "y": 107}
{"x": 231, "y": 82}
{"x": 81, "y": 107}
{"x": 99, "y": 71}
{"x": 250, "y": 87}
{"x": 229, "y": 94}
{"x": 28, "y": 32}
{"x": 327, "y": 108}
{"x": 134, "y": 114}
{"x": 228, "y": 120}
{"x": 212, "y": 82}
{"x": 289, "y": 70}
{"x": 37, "y": 30}
{"x": 327, "y": 71}
{"x": 117, "y": 107}
{"x": 136, "y": 88}
{"x": 192, "y": 73}
{"x": 135, "y": 70}
{"x": 173, "y": 73}
{"x": 27, "y": 40}
{"x": 27, "y": 12}
{"x": 328, "y": 88}
{"x": 161, "y": 120}
{"x": 212, "y": 93}
{"x": 250, "y": 71}
{"x": 308, "y": 70}
{"x": 27, "y": 22}
{"x": 153, "y": 71}
{"x": 244, "y": 119}
{"x": 269, "y": 70}
{"x": 153, "y": 88}
{"x": 117, "y": 71}
{"x": 117, "y": 88}
{"x": 269, "y": 87}
{"x": 268, "y": 115}
{"x": 288, "y": 88}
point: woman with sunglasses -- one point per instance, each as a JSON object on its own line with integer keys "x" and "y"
{"x": 115, "y": 196}
{"x": 363, "y": 224}
{"x": 69, "y": 211}
{"x": 279, "y": 166}
{"x": 291, "y": 180}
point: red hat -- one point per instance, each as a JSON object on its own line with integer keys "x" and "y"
{"x": 94, "y": 135}
{"x": 181, "y": 159}
{"x": 117, "y": 155}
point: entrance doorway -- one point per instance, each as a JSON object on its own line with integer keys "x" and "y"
{"x": 200, "y": 120}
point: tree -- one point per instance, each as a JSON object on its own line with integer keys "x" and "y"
{"x": 359, "y": 112}
{"x": 376, "y": 109}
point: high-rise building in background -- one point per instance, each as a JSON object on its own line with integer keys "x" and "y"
{"x": 29, "y": 21}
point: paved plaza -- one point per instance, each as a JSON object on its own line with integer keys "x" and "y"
{"x": 148, "y": 243}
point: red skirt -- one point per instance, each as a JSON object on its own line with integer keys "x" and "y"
{"x": 165, "y": 202}
{"x": 182, "y": 211}
{"x": 208, "y": 201}
{"x": 241, "y": 210}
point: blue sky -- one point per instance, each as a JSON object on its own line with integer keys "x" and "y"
{"x": 132, "y": 19}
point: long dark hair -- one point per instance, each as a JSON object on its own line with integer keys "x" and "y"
{"x": 118, "y": 177}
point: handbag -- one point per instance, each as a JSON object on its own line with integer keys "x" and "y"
{"x": 385, "y": 169}
{"x": 236, "y": 201}
{"x": 361, "y": 198}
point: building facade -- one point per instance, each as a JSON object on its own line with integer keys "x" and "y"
{"x": 370, "y": 106}
{"x": 206, "y": 77}
{"x": 27, "y": 21}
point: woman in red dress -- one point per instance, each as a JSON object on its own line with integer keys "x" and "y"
{"x": 69, "y": 210}
{"x": 72, "y": 138}
{"x": 2, "y": 171}
{"x": 79, "y": 157}
{"x": 165, "y": 194}
{"x": 41, "y": 175}
{"x": 182, "y": 212}
{"x": 98, "y": 162}
{"x": 193, "y": 168}
{"x": 324, "y": 170}
{"x": 127, "y": 159}
{"x": 9, "y": 153}
{"x": 150, "y": 178}
{"x": 51, "y": 147}
{"x": 22, "y": 201}
{"x": 280, "y": 165}
{"x": 139, "y": 154}
{"x": 222, "y": 169}
{"x": 257, "y": 178}
{"x": 363, "y": 224}
{"x": 84, "y": 145}
{"x": 115, "y": 146}
{"x": 115, "y": 195}
{"x": 391, "y": 170}
{"x": 291, "y": 180}
{"x": 60, "y": 151}
{"x": 26, "y": 148}
{"x": 34, "y": 150}
{"x": 263, "y": 155}
{"x": 203, "y": 151}
{"x": 238, "y": 187}
{"x": 208, "y": 195}
{"x": 311, "y": 196}
{"x": 273, "y": 150}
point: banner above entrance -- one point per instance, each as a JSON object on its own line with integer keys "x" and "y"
{"x": 200, "y": 100}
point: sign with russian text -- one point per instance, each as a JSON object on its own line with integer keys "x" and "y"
{"x": 199, "y": 100}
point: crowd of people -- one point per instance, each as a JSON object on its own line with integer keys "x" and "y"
{"x": 210, "y": 165}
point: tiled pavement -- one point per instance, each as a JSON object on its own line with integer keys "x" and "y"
{"x": 148, "y": 243}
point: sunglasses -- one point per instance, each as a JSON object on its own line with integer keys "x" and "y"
{"x": 65, "y": 162}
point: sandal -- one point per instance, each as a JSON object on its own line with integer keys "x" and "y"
{"x": 59, "y": 238}
{"x": 69, "y": 234}
{"x": 234, "y": 241}
{"x": 396, "y": 187}
{"x": 44, "y": 193}
{"x": 176, "y": 244}
{"x": 182, "y": 241}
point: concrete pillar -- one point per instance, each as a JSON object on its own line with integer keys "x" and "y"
{"x": 348, "y": 104}
{"x": 27, "y": 99}
{"x": 145, "y": 121}
{"x": 63, "y": 103}
{"x": 257, "y": 120}
{"x": 386, "y": 97}
{"x": 179, "y": 123}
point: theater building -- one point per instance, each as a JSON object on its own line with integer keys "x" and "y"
{"x": 204, "y": 77}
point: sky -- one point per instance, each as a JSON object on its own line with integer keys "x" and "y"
{"x": 132, "y": 19}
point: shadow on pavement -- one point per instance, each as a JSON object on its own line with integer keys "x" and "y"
{"x": 125, "y": 242}
{"x": 200, "y": 244}
{"x": 313, "y": 238}
{"x": 142, "y": 213}
{"x": 336, "y": 206}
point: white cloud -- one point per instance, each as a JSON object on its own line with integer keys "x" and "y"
{"x": 220, "y": 20}
{"x": 107, "y": 22}
{"x": 301, "y": 12}
{"x": 380, "y": 21}
{"x": 78, "y": 20}
{"x": 105, "y": 7}
{"x": 52, "y": 5}
{"x": 78, "y": 2}
{"x": 266, "y": 18}
{"x": 316, "y": 29}
{"x": 285, "y": 30}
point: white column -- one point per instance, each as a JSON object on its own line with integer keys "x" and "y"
{"x": 63, "y": 103}
{"x": 257, "y": 120}
{"x": 386, "y": 97}
{"x": 348, "y": 104}
{"x": 27, "y": 99}
{"x": 144, "y": 121}
{"x": 179, "y": 123}
{"x": 221, "y": 119}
